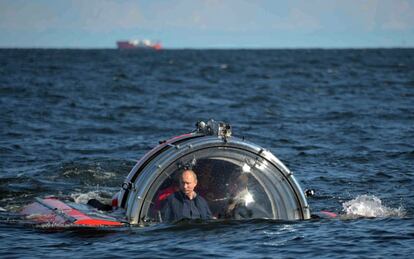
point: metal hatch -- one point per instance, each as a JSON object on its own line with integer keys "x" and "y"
{"x": 238, "y": 179}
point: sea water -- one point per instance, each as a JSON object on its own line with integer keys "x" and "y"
{"x": 74, "y": 122}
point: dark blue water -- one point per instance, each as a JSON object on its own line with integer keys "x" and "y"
{"x": 73, "y": 122}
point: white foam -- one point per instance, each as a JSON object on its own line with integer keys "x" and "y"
{"x": 83, "y": 198}
{"x": 370, "y": 206}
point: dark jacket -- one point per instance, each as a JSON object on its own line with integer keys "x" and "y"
{"x": 180, "y": 207}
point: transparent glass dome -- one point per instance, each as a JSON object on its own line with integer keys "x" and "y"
{"x": 238, "y": 179}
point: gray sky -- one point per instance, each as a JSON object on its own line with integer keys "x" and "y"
{"x": 208, "y": 23}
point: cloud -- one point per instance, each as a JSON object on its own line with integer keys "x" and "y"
{"x": 297, "y": 19}
{"x": 377, "y": 15}
{"x": 228, "y": 15}
{"x": 18, "y": 15}
{"x": 361, "y": 15}
{"x": 91, "y": 15}
{"x": 104, "y": 16}
{"x": 400, "y": 16}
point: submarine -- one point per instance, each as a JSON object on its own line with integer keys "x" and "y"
{"x": 237, "y": 178}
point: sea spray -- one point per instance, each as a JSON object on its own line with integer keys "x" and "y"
{"x": 370, "y": 206}
{"x": 83, "y": 198}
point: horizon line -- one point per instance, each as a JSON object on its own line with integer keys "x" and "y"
{"x": 209, "y": 48}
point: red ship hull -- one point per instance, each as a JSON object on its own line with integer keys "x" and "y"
{"x": 134, "y": 45}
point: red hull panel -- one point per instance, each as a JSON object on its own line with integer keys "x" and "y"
{"x": 53, "y": 211}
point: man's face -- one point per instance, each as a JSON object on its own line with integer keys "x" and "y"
{"x": 187, "y": 183}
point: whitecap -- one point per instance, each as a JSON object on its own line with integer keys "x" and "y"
{"x": 370, "y": 206}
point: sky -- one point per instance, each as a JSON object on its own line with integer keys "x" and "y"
{"x": 208, "y": 23}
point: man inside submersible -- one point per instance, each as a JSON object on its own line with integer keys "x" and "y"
{"x": 186, "y": 203}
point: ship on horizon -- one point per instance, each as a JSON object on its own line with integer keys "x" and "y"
{"x": 138, "y": 44}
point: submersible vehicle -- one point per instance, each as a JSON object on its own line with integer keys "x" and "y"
{"x": 238, "y": 179}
